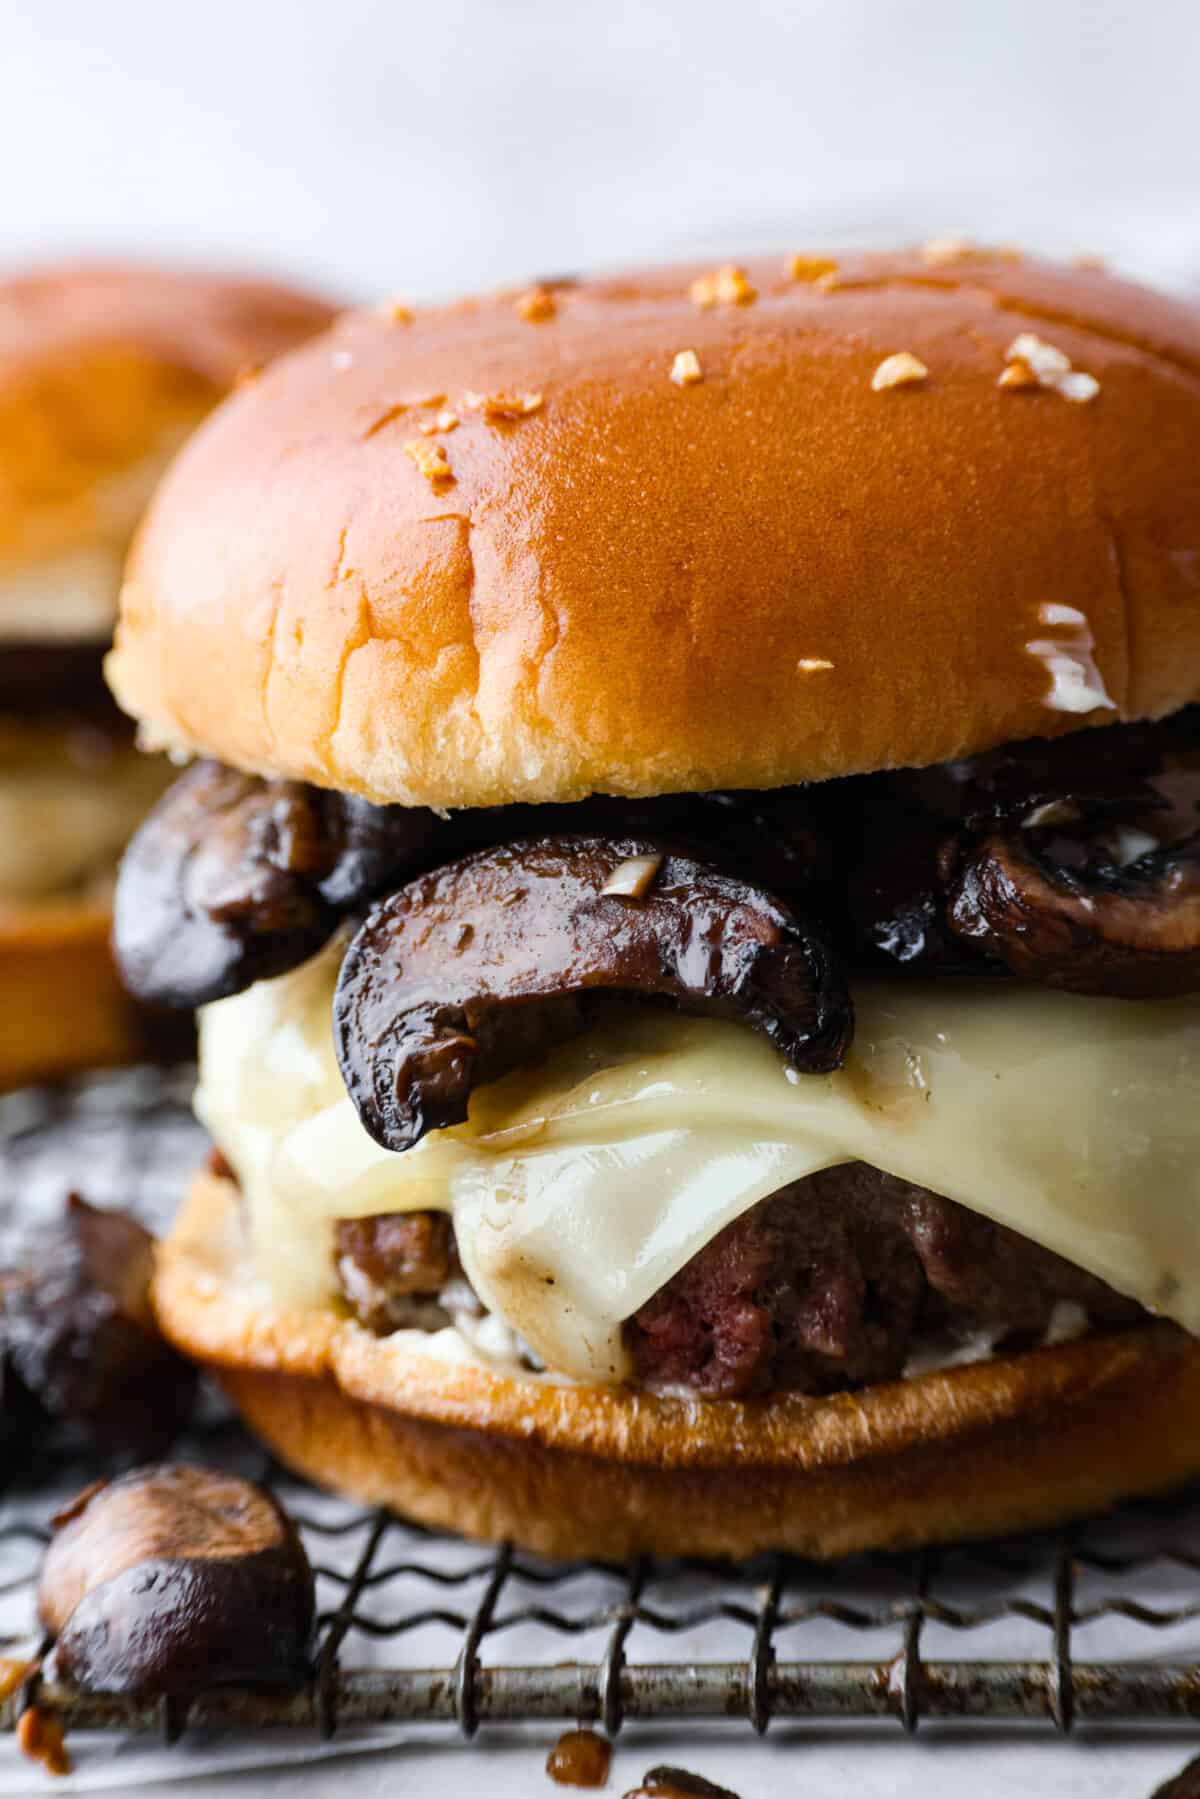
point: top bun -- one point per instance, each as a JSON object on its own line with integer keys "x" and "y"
{"x": 103, "y": 372}
{"x": 647, "y": 583}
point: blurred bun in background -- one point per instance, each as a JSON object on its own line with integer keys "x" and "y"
{"x": 104, "y": 371}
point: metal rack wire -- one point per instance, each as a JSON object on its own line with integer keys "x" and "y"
{"x": 418, "y": 1627}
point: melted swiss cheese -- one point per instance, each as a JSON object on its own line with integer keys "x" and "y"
{"x": 579, "y": 1187}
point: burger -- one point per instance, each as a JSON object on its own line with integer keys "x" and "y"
{"x": 690, "y": 871}
{"x": 103, "y": 372}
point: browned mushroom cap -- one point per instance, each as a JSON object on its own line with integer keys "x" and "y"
{"x": 81, "y": 1340}
{"x": 778, "y": 840}
{"x": 1069, "y": 864}
{"x": 174, "y": 1579}
{"x": 232, "y": 879}
{"x": 1184, "y": 1785}
{"x": 895, "y": 893}
{"x": 678, "y": 1783}
{"x": 1132, "y": 932}
{"x": 470, "y": 971}
{"x": 899, "y": 886}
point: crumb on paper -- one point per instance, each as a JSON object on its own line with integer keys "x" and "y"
{"x": 536, "y": 305}
{"x": 40, "y": 1737}
{"x": 580, "y": 1758}
{"x": 1045, "y": 365}
{"x": 901, "y": 370}
{"x": 430, "y": 458}
{"x": 396, "y": 312}
{"x": 503, "y": 405}
{"x": 815, "y": 269}
{"x": 445, "y": 421}
{"x": 726, "y": 286}
{"x": 948, "y": 248}
{"x": 686, "y": 368}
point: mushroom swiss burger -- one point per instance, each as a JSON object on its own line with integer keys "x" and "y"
{"x": 691, "y": 872}
{"x": 103, "y": 372}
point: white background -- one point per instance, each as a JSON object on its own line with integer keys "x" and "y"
{"x": 380, "y": 147}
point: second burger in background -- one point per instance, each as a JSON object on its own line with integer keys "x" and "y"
{"x": 104, "y": 371}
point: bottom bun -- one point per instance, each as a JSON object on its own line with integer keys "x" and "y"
{"x": 609, "y": 1472}
{"x": 62, "y": 1007}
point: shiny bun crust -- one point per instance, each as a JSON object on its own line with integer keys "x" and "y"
{"x": 102, "y": 368}
{"x": 775, "y": 572}
{"x": 1000, "y": 1445}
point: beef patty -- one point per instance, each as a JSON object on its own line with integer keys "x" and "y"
{"x": 828, "y": 1284}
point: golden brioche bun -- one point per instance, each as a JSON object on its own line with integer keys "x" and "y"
{"x": 999, "y": 1445}
{"x": 103, "y": 371}
{"x": 635, "y": 588}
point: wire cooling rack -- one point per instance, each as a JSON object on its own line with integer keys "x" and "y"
{"x": 1099, "y": 1623}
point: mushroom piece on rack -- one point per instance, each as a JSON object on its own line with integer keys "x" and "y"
{"x": 173, "y": 1579}
{"x": 79, "y": 1344}
{"x": 678, "y": 1783}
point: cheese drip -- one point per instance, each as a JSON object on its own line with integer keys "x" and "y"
{"x": 579, "y": 1187}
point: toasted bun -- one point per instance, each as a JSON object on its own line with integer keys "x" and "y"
{"x": 103, "y": 371}
{"x": 626, "y": 590}
{"x": 1020, "y": 1440}
{"x": 62, "y": 1007}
